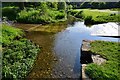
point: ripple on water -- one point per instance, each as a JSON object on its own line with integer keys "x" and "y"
{"x": 60, "y": 58}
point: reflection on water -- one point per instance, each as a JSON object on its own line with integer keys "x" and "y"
{"x": 67, "y": 44}
{"x": 60, "y": 53}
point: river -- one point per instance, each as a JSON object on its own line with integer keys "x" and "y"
{"x": 60, "y": 52}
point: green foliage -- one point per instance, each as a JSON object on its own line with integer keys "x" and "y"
{"x": 79, "y": 14}
{"x": 18, "y": 55}
{"x": 69, "y": 7}
{"x": 97, "y": 16}
{"x": 42, "y": 12}
{"x": 109, "y": 18}
{"x": 101, "y": 73}
{"x": 9, "y": 33}
{"x": 108, "y": 50}
{"x": 59, "y": 15}
{"x": 88, "y": 20}
{"x": 31, "y": 16}
{"x": 37, "y": 16}
{"x": 52, "y": 5}
{"x": 61, "y": 6}
{"x": 95, "y": 5}
{"x": 73, "y": 12}
{"x": 10, "y": 12}
{"x": 43, "y": 7}
{"x": 108, "y": 70}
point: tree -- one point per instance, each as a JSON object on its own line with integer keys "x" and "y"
{"x": 61, "y": 5}
{"x": 21, "y": 5}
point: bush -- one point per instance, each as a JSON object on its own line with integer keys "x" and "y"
{"x": 60, "y": 16}
{"x": 9, "y": 33}
{"x": 18, "y": 58}
{"x": 31, "y": 16}
{"x": 10, "y": 12}
{"x": 111, "y": 18}
{"x": 36, "y": 16}
{"x": 88, "y": 20}
{"x": 73, "y": 12}
{"x": 79, "y": 14}
{"x": 18, "y": 55}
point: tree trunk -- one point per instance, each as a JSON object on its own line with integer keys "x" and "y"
{"x": 21, "y": 5}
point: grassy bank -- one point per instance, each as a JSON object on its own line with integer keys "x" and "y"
{"x": 108, "y": 70}
{"x": 95, "y": 16}
{"x": 19, "y": 53}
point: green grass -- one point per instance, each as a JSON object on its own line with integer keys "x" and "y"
{"x": 97, "y": 16}
{"x": 110, "y": 69}
{"x": 115, "y": 9}
{"x": 18, "y": 53}
{"x": 94, "y": 14}
{"x": 10, "y": 33}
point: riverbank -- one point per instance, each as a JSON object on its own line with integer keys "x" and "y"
{"x": 95, "y": 16}
{"x": 108, "y": 69}
{"x": 19, "y": 53}
{"x": 35, "y": 16}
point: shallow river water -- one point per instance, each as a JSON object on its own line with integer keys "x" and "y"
{"x": 60, "y": 53}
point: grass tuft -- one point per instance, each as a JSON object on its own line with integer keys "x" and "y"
{"x": 108, "y": 70}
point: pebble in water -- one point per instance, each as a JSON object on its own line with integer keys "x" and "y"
{"x": 68, "y": 77}
{"x": 47, "y": 64}
{"x": 51, "y": 74}
{"x": 60, "y": 60}
{"x": 63, "y": 73}
{"x": 47, "y": 72}
{"x": 60, "y": 75}
{"x": 48, "y": 68}
{"x": 43, "y": 59}
{"x": 55, "y": 72}
{"x": 54, "y": 59}
{"x": 33, "y": 74}
{"x": 71, "y": 70}
{"x": 40, "y": 74}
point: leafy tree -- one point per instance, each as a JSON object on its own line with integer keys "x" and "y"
{"x": 43, "y": 7}
{"x": 21, "y": 5}
{"x": 52, "y": 5}
{"x": 61, "y": 5}
{"x": 69, "y": 7}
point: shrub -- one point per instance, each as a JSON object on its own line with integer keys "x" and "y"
{"x": 88, "y": 20}
{"x": 36, "y": 16}
{"x": 9, "y": 33}
{"x": 18, "y": 55}
{"x": 73, "y": 12}
{"x": 60, "y": 16}
{"x": 28, "y": 16}
{"x": 18, "y": 58}
{"x": 79, "y": 14}
{"x": 10, "y": 12}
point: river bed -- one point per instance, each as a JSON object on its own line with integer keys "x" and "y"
{"x": 60, "y": 55}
